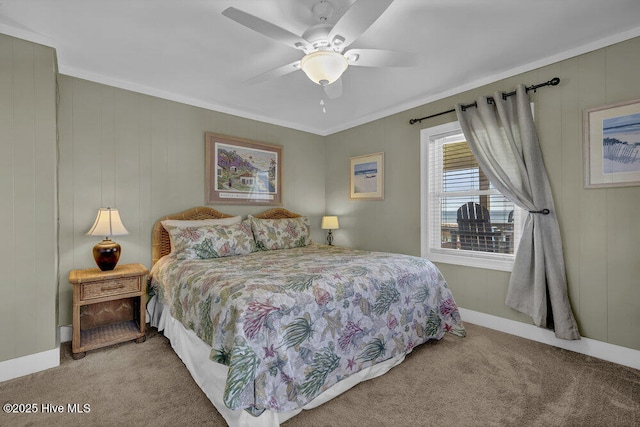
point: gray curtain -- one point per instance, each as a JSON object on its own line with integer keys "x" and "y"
{"x": 503, "y": 138}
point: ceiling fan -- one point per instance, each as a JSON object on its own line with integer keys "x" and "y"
{"x": 324, "y": 44}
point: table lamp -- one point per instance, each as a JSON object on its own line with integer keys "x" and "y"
{"x": 330, "y": 223}
{"x": 107, "y": 252}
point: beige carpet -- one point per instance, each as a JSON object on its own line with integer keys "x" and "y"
{"x": 486, "y": 379}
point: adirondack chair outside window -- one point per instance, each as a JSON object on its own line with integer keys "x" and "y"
{"x": 475, "y": 232}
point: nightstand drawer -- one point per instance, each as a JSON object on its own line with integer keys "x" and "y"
{"x": 109, "y": 287}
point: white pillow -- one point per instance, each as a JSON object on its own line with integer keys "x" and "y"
{"x": 172, "y": 224}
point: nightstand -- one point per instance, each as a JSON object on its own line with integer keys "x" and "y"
{"x": 108, "y": 307}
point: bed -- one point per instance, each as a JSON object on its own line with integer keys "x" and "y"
{"x": 269, "y": 323}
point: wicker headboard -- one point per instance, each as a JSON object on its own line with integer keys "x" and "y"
{"x": 276, "y": 213}
{"x": 161, "y": 245}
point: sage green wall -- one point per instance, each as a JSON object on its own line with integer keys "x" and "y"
{"x": 599, "y": 227}
{"x": 145, "y": 156}
{"x": 28, "y": 278}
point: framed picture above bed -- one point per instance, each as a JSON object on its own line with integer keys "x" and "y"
{"x": 242, "y": 172}
{"x": 366, "y": 177}
{"x": 612, "y": 145}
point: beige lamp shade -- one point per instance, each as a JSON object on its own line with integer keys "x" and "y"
{"x": 324, "y": 66}
{"x": 330, "y": 223}
{"x": 107, "y": 252}
{"x": 108, "y": 223}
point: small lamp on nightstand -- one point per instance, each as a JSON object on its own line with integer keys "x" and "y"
{"x": 107, "y": 252}
{"x": 330, "y": 223}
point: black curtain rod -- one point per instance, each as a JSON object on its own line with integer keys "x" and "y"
{"x": 553, "y": 82}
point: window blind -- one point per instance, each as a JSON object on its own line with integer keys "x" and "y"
{"x": 456, "y": 179}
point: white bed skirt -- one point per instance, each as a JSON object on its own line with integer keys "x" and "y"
{"x": 211, "y": 376}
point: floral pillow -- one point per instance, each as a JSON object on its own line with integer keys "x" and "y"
{"x": 212, "y": 241}
{"x": 168, "y": 224}
{"x": 286, "y": 233}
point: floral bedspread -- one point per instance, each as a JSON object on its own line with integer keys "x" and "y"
{"x": 291, "y": 323}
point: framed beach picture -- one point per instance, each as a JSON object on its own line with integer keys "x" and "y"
{"x": 239, "y": 171}
{"x": 611, "y": 145}
{"x": 366, "y": 177}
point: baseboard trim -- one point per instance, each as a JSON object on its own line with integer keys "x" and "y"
{"x": 32, "y": 363}
{"x": 590, "y": 347}
{"x": 66, "y": 333}
{"x": 29, "y": 364}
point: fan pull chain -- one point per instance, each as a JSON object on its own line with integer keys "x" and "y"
{"x": 324, "y": 109}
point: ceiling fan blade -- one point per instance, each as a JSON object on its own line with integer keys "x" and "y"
{"x": 334, "y": 90}
{"x": 357, "y": 19}
{"x": 381, "y": 58}
{"x": 265, "y": 28}
{"x": 275, "y": 73}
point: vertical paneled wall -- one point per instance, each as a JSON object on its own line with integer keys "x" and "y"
{"x": 145, "y": 156}
{"x": 600, "y": 227}
{"x": 28, "y": 252}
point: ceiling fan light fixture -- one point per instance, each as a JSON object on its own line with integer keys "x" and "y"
{"x": 324, "y": 67}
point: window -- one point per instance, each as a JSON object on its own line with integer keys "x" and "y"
{"x": 465, "y": 220}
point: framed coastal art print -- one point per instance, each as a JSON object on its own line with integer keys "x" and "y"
{"x": 611, "y": 145}
{"x": 239, "y": 171}
{"x": 366, "y": 177}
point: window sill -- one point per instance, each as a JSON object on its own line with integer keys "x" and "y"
{"x": 472, "y": 259}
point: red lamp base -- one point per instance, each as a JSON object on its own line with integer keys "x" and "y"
{"x": 106, "y": 254}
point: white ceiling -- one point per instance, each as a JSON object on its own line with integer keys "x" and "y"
{"x": 185, "y": 50}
